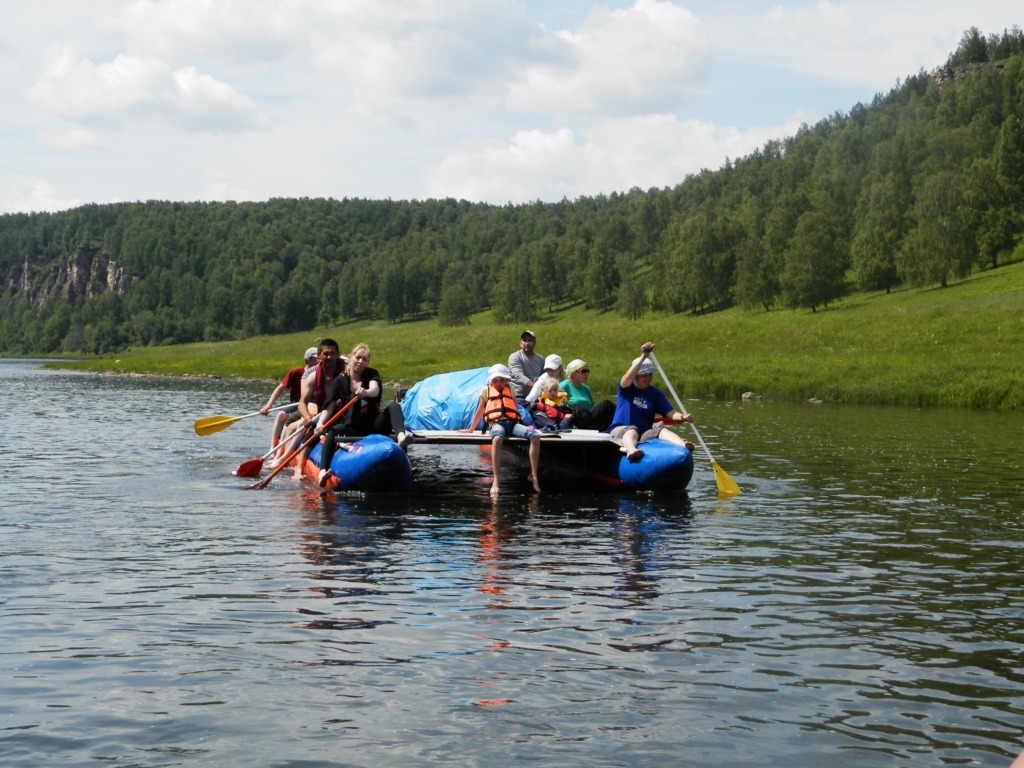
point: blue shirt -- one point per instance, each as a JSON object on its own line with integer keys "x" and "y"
{"x": 637, "y": 407}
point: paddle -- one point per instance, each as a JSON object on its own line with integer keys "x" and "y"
{"x": 211, "y": 424}
{"x": 288, "y": 459}
{"x": 253, "y": 467}
{"x": 726, "y": 485}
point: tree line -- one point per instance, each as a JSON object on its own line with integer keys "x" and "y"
{"x": 918, "y": 187}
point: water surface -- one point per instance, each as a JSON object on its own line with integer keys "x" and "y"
{"x": 859, "y": 605}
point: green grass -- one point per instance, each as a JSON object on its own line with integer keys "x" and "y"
{"x": 961, "y": 346}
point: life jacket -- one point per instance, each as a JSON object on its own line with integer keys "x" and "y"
{"x": 500, "y": 404}
{"x": 553, "y": 408}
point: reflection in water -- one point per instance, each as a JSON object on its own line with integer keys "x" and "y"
{"x": 495, "y": 529}
{"x": 859, "y": 605}
{"x": 641, "y": 549}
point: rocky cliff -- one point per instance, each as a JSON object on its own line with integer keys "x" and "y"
{"x": 87, "y": 272}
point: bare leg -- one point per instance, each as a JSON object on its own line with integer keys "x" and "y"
{"x": 275, "y": 430}
{"x": 629, "y": 438}
{"x": 495, "y": 464}
{"x": 284, "y": 445}
{"x": 535, "y": 462}
{"x": 300, "y": 462}
{"x": 300, "y": 458}
{"x": 671, "y": 437}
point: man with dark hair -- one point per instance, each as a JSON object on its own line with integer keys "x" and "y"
{"x": 314, "y": 392}
{"x": 526, "y": 365}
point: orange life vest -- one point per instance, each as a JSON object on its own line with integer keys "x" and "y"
{"x": 553, "y": 408}
{"x": 500, "y": 404}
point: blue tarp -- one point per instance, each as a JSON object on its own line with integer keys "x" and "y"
{"x": 447, "y": 400}
{"x": 444, "y": 401}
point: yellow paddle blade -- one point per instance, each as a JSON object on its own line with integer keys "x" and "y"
{"x": 726, "y": 485}
{"x": 212, "y": 424}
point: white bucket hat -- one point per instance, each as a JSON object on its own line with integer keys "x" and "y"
{"x": 498, "y": 370}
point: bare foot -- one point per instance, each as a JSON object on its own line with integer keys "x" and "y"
{"x": 635, "y": 455}
{"x": 536, "y": 485}
{"x": 494, "y": 489}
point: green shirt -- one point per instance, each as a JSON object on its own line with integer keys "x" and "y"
{"x": 578, "y": 395}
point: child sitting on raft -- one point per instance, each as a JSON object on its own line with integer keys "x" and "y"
{"x": 500, "y": 413}
{"x": 551, "y": 411}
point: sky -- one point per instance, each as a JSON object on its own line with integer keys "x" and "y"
{"x": 499, "y": 101}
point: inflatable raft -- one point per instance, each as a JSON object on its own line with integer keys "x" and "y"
{"x": 439, "y": 406}
{"x": 371, "y": 463}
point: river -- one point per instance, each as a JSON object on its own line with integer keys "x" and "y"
{"x": 861, "y": 604}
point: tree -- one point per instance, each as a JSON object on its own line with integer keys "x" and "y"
{"x": 881, "y": 224}
{"x": 631, "y": 299}
{"x": 939, "y": 243}
{"x": 986, "y": 197}
{"x": 707, "y": 258}
{"x": 511, "y": 297}
{"x": 601, "y": 278}
{"x": 457, "y": 302}
{"x": 973, "y": 49}
{"x": 814, "y": 267}
{"x": 392, "y": 290}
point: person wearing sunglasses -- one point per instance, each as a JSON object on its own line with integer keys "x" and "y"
{"x": 586, "y": 413}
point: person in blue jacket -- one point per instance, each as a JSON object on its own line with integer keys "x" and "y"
{"x": 637, "y": 405}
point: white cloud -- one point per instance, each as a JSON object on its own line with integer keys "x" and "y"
{"x": 653, "y": 57}
{"x": 614, "y": 155}
{"x": 869, "y": 43}
{"x": 531, "y": 166}
{"x": 130, "y": 88}
{"x": 420, "y": 64}
{"x": 491, "y": 100}
{"x": 243, "y": 32}
{"x": 20, "y": 193}
{"x": 73, "y": 139}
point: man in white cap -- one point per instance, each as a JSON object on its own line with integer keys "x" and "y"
{"x": 292, "y": 382}
{"x": 525, "y": 365}
{"x": 638, "y": 404}
{"x": 500, "y": 412}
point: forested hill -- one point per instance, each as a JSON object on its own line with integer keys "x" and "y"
{"x": 921, "y": 186}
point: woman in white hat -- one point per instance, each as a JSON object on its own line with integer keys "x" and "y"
{"x": 500, "y": 414}
{"x": 587, "y": 414}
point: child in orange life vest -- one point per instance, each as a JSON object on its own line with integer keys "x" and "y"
{"x": 501, "y": 419}
{"x": 552, "y": 408}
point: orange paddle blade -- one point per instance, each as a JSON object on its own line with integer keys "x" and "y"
{"x": 250, "y": 468}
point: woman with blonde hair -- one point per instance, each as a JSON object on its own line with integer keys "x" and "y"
{"x": 362, "y": 382}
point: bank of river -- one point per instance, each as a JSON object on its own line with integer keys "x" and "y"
{"x": 859, "y": 605}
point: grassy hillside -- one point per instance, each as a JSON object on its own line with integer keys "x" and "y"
{"x": 960, "y": 346}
